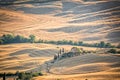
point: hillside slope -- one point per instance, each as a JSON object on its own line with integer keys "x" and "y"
{"x": 89, "y": 21}
{"x": 24, "y": 57}
{"x": 88, "y": 63}
{"x": 85, "y": 67}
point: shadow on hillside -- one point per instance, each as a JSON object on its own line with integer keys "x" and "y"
{"x": 113, "y": 36}
{"x": 83, "y": 29}
{"x": 35, "y": 52}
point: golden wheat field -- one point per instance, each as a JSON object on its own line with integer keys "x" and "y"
{"x": 89, "y": 21}
{"x": 30, "y": 57}
{"x": 77, "y": 20}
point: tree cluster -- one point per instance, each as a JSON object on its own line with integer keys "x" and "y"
{"x": 21, "y": 75}
{"x": 8, "y": 38}
{"x": 114, "y": 51}
{"x": 101, "y": 44}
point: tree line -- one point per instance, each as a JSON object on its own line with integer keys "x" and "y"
{"x": 20, "y": 75}
{"x": 9, "y": 38}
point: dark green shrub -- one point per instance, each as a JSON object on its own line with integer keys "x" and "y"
{"x": 112, "y": 51}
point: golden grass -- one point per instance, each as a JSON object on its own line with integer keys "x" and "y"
{"x": 18, "y": 22}
{"x": 93, "y": 67}
{"x": 88, "y": 66}
{"x": 21, "y": 56}
{"x": 88, "y": 76}
{"x": 25, "y": 56}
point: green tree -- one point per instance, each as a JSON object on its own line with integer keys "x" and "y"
{"x": 21, "y": 76}
{"x": 40, "y": 41}
{"x": 75, "y": 43}
{"x": 8, "y": 38}
{"x": 95, "y": 45}
{"x": 32, "y": 38}
{"x": 1, "y": 41}
{"x": 102, "y": 44}
{"x": 65, "y": 42}
{"x": 112, "y": 51}
{"x": 107, "y": 45}
{"x": 80, "y": 43}
{"x": 70, "y": 42}
{"x": 59, "y": 42}
{"x": 18, "y": 38}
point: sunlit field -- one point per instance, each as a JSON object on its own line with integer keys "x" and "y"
{"x": 59, "y": 40}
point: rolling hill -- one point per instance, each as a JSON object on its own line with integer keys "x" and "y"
{"x": 78, "y": 20}
{"x": 87, "y": 63}
{"x": 24, "y": 57}
{"x": 33, "y": 57}
{"x": 84, "y": 67}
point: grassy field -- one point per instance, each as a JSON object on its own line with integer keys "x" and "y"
{"x": 24, "y": 57}
{"x": 75, "y": 20}
{"x": 90, "y": 21}
{"x": 30, "y": 57}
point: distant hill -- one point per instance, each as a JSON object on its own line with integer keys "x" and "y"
{"x": 78, "y": 20}
{"x": 87, "y": 63}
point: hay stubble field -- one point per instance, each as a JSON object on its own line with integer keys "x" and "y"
{"x": 90, "y": 21}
